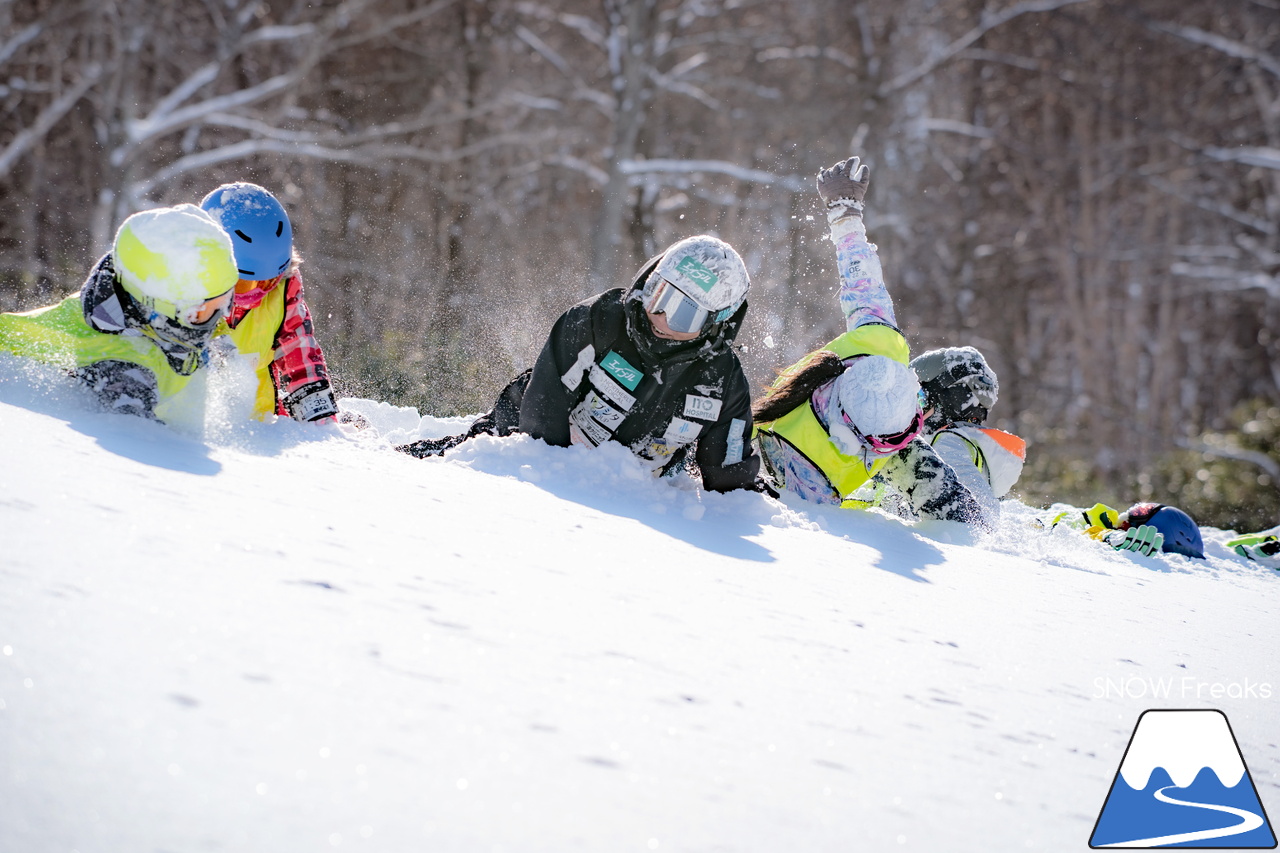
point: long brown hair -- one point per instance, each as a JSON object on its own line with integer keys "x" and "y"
{"x": 791, "y": 389}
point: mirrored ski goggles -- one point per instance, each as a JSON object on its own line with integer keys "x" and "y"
{"x": 886, "y": 443}
{"x": 958, "y": 403}
{"x": 192, "y": 313}
{"x": 683, "y": 314}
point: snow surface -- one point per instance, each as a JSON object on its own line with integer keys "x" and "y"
{"x": 240, "y": 636}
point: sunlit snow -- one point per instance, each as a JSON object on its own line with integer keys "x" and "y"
{"x": 230, "y": 635}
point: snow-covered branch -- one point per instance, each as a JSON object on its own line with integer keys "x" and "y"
{"x": 198, "y": 79}
{"x": 597, "y": 175}
{"x": 680, "y": 87}
{"x": 361, "y": 155}
{"x": 989, "y": 22}
{"x": 1230, "y": 278}
{"x": 777, "y": 54}
{"x": 1267, "y": 158}
{"x": 166, "y": 116}
{"x": 385, "y": 26}
{"x": 266, "y": 130}
{"x": 582, "y": 25}
{"x": 24, "y": 36}
{"x": 964, "y": 128}
{"x": 209, "y": 72}
{"x": 1222, "y": 44}
{"x": 790, "y": 183}
{"x": 49, "y": 116}
{"x": 154, "y": 125}
{"x": 1222, "y": 208}
{"x": 544, "y": 50}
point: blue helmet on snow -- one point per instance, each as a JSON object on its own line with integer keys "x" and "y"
{"x": 1181, "y": 533}
{"x": 258, "y": 227}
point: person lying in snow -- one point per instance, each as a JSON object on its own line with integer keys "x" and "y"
{"x": 649, "y": 366}
{"x": 139, "y": 328}
{"x": 958, "y": 391}
{"x": 1144, "y": 528}
{"x": 851, "y": 410}
{"x": 269, "y": 318}
{"x": 1262, "y": 547}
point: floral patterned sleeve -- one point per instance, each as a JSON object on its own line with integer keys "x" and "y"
{"x": 863, "y": 295}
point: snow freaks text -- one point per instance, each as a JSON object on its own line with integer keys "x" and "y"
{"x": 1186, "y": 687}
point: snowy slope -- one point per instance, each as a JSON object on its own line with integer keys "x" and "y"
{"x": 282, "y": 637}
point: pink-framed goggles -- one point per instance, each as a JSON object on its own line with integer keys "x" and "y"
{"x": 886, "y": 444}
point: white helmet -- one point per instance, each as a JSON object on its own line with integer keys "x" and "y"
{"x": 708, "y": 272}
{"x": 174, "y": 260}
{"x": 875, "y": 405}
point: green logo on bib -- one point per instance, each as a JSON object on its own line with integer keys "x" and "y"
{"x": 617, "y": 367}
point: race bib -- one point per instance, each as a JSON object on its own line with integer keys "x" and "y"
{"x": 703, "y": 408}
{"x": 580, "y": 418}
{"x": 603, "y": 412}
{"x": 620, "y": 369}
{"x": 610, "y": 389}
{"x": 681, "y": 431}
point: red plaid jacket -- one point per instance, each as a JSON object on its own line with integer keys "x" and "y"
{"x": 298, "y": 359}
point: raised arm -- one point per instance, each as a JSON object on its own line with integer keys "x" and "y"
{"x": 863, "y": 295}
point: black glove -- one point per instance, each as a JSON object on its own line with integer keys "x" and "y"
{"x": 764, "y": 487}
{"x": 424, "y": 447}
{"x": 353, "y": 419}
{"x": 843, "y": 187}
{"x": 311, "y": 402}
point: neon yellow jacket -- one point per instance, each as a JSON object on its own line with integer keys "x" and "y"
{"x": 255, "y": 336}
{"x": 797, "y": 449}
{"x": 58, "y": 335}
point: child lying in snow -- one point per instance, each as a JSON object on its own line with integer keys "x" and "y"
{"x": 1262, "y": 548}
{"x": 1144, "y": 528}
{"x": 139, "y": 328}
{"x": 850, "y": 411}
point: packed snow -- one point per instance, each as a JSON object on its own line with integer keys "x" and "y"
{"x": 227, "y": 635}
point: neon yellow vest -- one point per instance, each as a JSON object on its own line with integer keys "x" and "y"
{"x": 801, "y": 429}
{"x": 58, "y": 335}
{"x": 256, "y": 336}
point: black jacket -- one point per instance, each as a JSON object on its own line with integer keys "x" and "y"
{"x": 602, "y": 375}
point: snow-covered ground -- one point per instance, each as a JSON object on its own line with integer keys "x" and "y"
{"x": 234, "y": 636}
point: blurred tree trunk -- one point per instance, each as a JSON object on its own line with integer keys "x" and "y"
{"x": 630, "y": 37}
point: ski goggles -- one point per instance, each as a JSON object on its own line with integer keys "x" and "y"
{"x": 251, "y": 297}
{"x": 683, "y": 314}
{"x": 1139, "y": 514}
{"x": 962, "y": 403}
{"x": 192, "y": 314}
{"x": 198, "y": 315}
{"x": 885, "y": 444}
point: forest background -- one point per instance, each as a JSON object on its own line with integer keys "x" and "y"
{"x": 1086, "y": 190}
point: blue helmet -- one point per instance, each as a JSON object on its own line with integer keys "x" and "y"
{"x": 258, "y": 227}
{"x": 1181, "y": 533}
